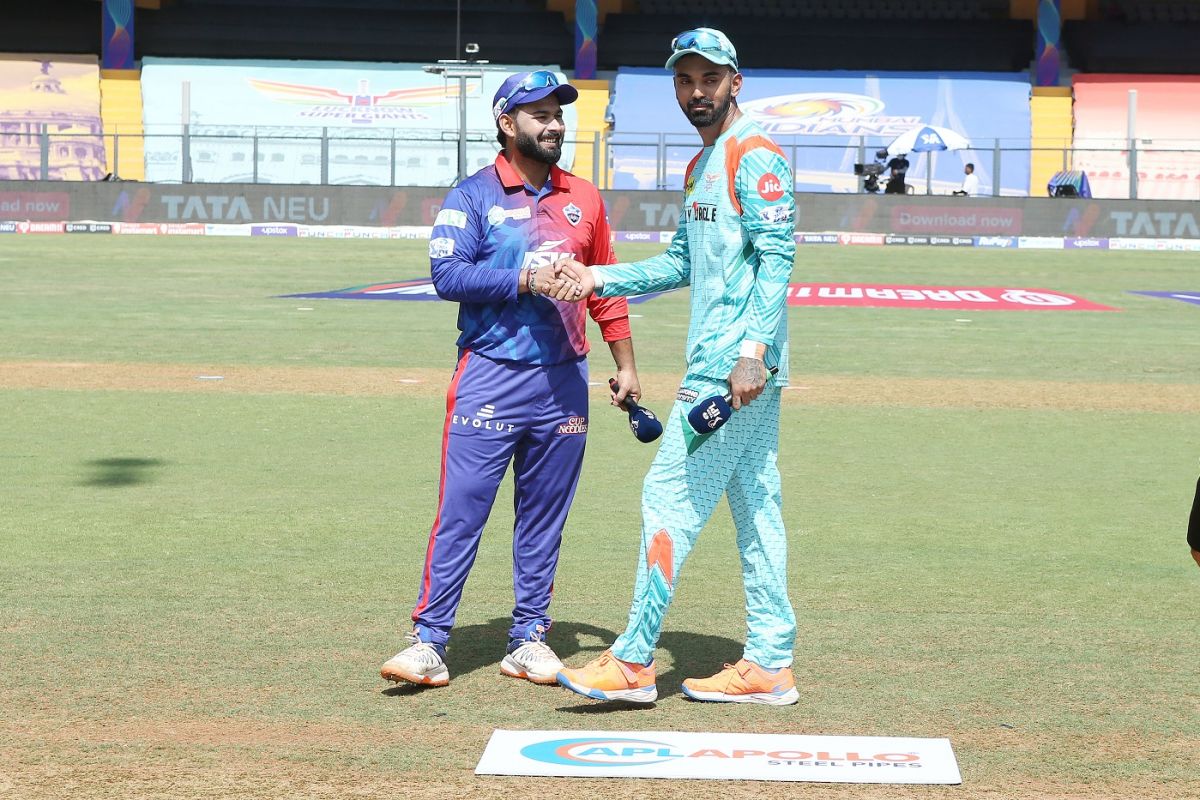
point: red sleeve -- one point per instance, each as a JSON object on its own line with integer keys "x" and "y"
{"x": 610, "y": 313}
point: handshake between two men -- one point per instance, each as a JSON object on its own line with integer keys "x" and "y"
{"x": 565, "y": 279}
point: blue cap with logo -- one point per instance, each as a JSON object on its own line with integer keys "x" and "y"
{"x": 529, "y": 87}
{"x": 707, "y": 43}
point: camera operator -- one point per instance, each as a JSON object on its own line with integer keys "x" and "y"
{"x": 897, "y": 166}
{"x": 871, "y": 171}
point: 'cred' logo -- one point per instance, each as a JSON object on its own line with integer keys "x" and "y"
{"x": 770, "y": 188}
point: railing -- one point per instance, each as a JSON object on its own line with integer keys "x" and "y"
{"x": 398, "y": 157}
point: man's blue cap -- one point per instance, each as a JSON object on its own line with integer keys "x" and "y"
{"x": 707, "y": 43}
{"x": 529, "y": 87}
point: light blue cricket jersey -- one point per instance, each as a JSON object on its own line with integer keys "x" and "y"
{"x": 734, "y": 247}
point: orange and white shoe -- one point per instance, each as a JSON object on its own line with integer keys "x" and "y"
{"x": 745, "y": 682}
{"x": 421, "y": 663}
{"x": 610, "y": 678}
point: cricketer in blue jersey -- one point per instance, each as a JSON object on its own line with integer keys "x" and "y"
{"x": 734, "y": 247}
{"x": 519, "y": 393}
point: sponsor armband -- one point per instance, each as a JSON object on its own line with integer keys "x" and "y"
{"x": 451, "y": 217}
{"x": 441, "y": 247}
{"x": 777, "y": 213}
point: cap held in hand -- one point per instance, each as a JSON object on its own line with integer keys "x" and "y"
{"x": 642, "y": 422}
{"x": 713, "y": 412}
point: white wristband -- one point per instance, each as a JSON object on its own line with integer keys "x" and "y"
{"x": 598, "y": 277}
{"x": 750, "y": 349}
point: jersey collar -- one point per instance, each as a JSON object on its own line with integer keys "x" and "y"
{"x": 509, "y": 178}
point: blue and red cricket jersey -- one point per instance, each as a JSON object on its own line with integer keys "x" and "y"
{"x": 490, "y": 227}
{"x": 519, "y": 392}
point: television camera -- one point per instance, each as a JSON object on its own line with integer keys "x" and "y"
{"x": 871, "y": 171}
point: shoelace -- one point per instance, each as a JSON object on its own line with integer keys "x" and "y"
{"x": 537, "y": 651}
{"x": 422, "y": 651}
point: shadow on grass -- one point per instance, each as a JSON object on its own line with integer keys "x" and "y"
{"x": 115, "y": 472}
{"x": 474, "y": 647}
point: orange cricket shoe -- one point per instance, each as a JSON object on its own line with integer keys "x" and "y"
{"x": 745, "y": 682}
{"x": 610, "y": 678}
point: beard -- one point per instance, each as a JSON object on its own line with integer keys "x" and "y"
{"x": 706, "y": 113}
{"x": 547, "y": 149}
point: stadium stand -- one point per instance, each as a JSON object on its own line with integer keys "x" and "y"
{"x": 1051, "y": 132}
{"x": 1143, "y": 47}
{"x": 356, "y": 30}
{"x": 121, "y": 113}
{"x": 816, "y": 42}
{"x": 837, "y": 9}
{"x": 51, "y": 26}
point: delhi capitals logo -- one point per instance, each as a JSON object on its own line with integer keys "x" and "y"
{"x": 573, "y": 213}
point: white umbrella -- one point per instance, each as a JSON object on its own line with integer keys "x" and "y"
{"x": 927, "y": 138}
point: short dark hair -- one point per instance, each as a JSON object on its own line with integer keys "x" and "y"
{"x": 971, "y": 167}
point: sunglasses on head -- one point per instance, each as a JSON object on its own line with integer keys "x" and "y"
{"x": 697, "y": 40}
{"x": 534, "y": 80}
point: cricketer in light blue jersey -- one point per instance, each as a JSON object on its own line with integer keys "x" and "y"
{"x": 734, "y": 247}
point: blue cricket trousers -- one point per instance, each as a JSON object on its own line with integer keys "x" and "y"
{"x": 496, "y": 413}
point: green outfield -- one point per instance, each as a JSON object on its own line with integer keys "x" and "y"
{"x": 216, "y": 501}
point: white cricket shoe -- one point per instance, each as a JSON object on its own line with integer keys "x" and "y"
{"x": 419, "y": 663}
{"x": 533, "y": 661}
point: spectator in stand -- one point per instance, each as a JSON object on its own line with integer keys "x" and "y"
{"x": 970, "y": 184}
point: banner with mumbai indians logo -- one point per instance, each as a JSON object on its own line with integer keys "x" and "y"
{"x": 827, "y": 121}
{"x": 281, "y": 121}
{"x": 720, "y": 756}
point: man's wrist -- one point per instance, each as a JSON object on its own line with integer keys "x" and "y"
{"x": 598, "y": 279}
{"x": 752, "y": 349}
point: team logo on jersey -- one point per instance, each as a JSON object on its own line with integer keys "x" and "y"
{"x": 689, "y": 185}
{"x": 702, "y": 212}
{"x": 441, "y": 247}
{"x": 687, "y": 395}
{"x": 573, "y": 213}
{"x": 710, "y": 180}
{"x": 770, "y": 188}
{"x": 573, "y": 425}
{"x": 495, "y": 215}
{"x": 546, "y": 254}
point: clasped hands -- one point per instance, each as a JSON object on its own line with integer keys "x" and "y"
{"x": 565, "y": 279}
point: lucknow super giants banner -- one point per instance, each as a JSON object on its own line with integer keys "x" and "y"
{"x": 50, "y": 118}
{"x": 1168, "y": 158}
{"x": 287, "y": 121}
{"x": 828, "y": 121}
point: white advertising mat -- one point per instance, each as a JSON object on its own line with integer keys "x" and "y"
{"x": 720, "y": 756}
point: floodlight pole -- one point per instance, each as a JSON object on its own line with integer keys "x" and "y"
{"x": 460, "y": 71}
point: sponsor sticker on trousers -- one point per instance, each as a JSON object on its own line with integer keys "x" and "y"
{"x": 720, "y": 756}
